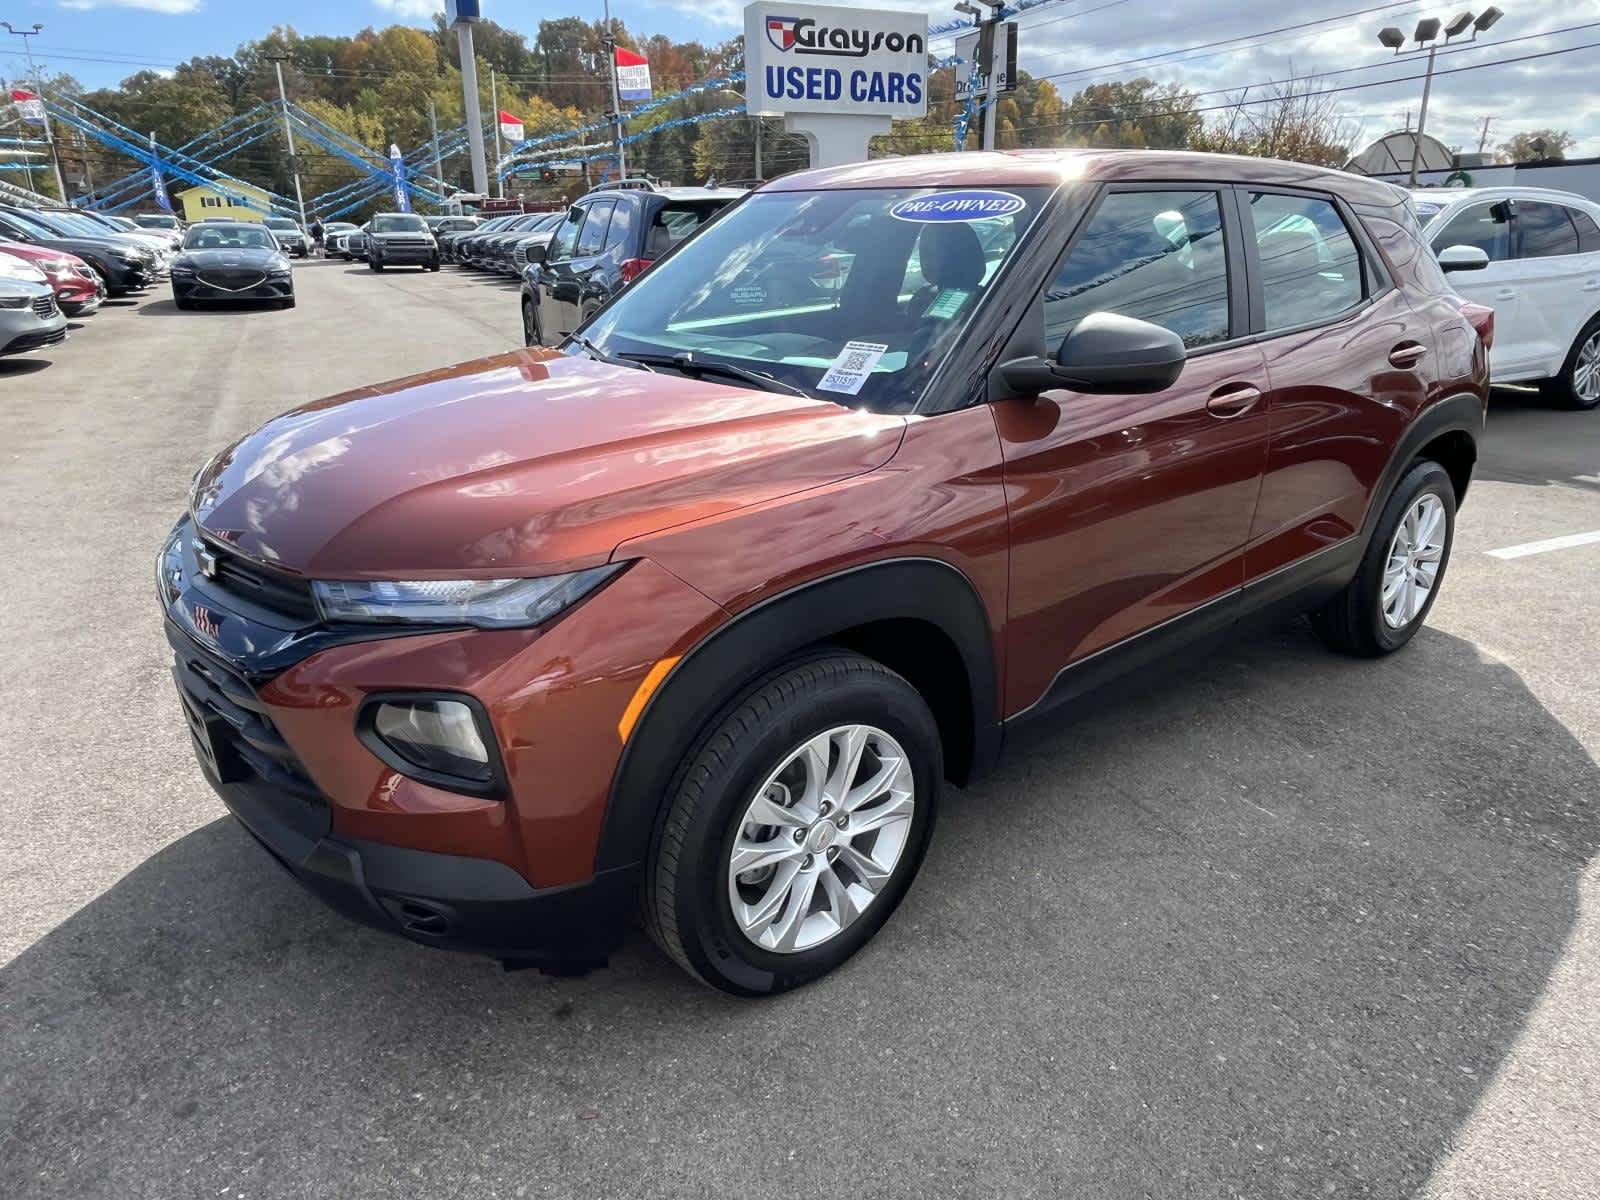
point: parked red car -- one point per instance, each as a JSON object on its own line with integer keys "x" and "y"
{"x": 78, "y": 289}
{"x": 694, "y": 616}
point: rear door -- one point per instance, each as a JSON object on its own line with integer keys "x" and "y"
{"x": 557, "y": 288}
{"x": 1347, "y": 363}
{"x": 1129, "y": 511}
{"x": 1560, "y": 282}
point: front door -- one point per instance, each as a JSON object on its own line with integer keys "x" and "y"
{"x": 1129, "y": 511}
{"x": 558, "y": 284}
{"x": 1500, "y": 285}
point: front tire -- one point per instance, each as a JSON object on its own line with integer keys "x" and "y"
{"x": 374, "y": 265}
{"x": 1578, "y": 384}
{"x": 530, "y": 325}
{"x": 795, "y": 827}
{"x": 1398, "y": 580}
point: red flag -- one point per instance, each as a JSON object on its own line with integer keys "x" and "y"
{"x": 633, "y": 75}
{"x": 511, "y": 126}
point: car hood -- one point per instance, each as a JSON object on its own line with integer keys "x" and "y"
{"x": 527, "y": 463}
{"x": 232, "y": 256}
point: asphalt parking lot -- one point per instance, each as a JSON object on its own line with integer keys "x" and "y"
{"x": 1280, "y": 925}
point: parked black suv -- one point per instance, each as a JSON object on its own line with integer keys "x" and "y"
{"x": 609, "y": 237}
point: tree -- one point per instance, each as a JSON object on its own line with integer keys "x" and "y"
{"x": 1291, "y": 121}
{"x": 1536, "y": 145}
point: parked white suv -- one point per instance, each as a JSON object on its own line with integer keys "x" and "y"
{"x": 1542, "y": 279}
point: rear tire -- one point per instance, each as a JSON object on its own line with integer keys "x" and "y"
{"x": 845, "y": 843}
{"x": 1578, "y": 384}
{"x": 1384, "y": 605}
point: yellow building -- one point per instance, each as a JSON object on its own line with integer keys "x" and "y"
{"x": 235, "y": 201}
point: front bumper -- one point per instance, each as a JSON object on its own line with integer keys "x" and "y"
{"x": 404, "y": 254}
{"x": 33, "y": 339}
{"x": 196, "y": 288}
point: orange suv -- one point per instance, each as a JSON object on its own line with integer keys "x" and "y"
{"x": 694, "y": 616}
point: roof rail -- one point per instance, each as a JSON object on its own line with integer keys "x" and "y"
{"x": 636, "y": 184}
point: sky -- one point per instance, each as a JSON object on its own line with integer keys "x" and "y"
{"x": 1076, "y": 42}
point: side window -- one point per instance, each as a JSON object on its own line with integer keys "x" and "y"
{"x": 1544, "y": 231}
{"x": 566, "y": 236}
{"x": 1588, "y": 232}
{"x": 1486, "y": 226}
{"x": 621, "y": 222}
{"x": 594, "y": 229}
{"x": 1310, "y": 265}
{"x": 1157, "y": 256}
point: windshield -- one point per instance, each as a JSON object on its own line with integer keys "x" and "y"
{"x": 158, "y": 222}
{"x": 282, "y": 223}
{"x": 397, "y": 223}
{"x": 228, "y": 237}
{"x": 852, "y": 295}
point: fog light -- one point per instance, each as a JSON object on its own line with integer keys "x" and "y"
{"x": 436, "y": 736}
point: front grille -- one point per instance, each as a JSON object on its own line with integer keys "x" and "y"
{"x": 222, "y": 708}
{"x": 261, "y": 584}
{"x": 233, "y": 279}
{"x": 44, "y": 307}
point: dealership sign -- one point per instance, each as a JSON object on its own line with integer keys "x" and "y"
{"x": 806, "y": 58}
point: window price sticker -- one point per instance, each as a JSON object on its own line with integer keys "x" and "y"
{"x": 850, "y": 370}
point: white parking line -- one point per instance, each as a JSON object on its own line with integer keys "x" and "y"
{"x": 1556, "y": 543}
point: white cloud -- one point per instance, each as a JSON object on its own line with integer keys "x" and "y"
{"x": 157, "y": 6}
{"x": 411, "y": 8}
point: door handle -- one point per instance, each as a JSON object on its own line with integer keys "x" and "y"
{"x": 1232, "y": 400}
{"x": 1592, "y": 285}
{"x": 1506, "y": 294}
{"x": 1407, "y": 354}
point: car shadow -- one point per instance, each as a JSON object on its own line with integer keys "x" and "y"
{"x": 16, "y": 366}
{"x": 166, "y": 308}
{"x": 1136, "y": 963}
{"x": 1531, "y": 439}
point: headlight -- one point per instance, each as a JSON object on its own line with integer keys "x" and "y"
{"x": 16, "y": 301}
{"x": 169, "y": 566}
{"x": 436, "y": 738}
{"x": 182, "y": 269}
{"x": 485, "y": 603}
{"x": 16, "y": 268}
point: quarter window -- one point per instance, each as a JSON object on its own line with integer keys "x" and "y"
{"x": 1310, "y": 265}
{"x": 1588, "y": 232}
{"x": 1156, "y": 256}
{"x": 1486, "y": 226}
{"x": 1544, "y": 231}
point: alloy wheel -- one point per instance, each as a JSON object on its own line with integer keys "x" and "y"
{"x": 1586, "y": 371}
{"x": 821, "y": 838}
{"x": 1412, "y": 567}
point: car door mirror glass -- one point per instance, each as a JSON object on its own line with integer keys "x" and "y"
{"x": 1104, "y": 353}
{"x": 1463, "y": 258}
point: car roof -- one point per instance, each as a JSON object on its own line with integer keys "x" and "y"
{"x": 1508, "y": 192}
{"x": 1020, "y": 168}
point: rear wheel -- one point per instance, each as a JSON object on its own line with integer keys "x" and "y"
{"x": 1578, "y": 384}
{"x": 1382, "y": 608}
{"x": 795, "y": 828}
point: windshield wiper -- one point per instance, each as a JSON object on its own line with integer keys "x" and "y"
{"x": 686, "y": 363}
{"x": 615, "y": 360}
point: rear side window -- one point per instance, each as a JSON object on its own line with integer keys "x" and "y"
{"x": 621, "y": 223}
{"x": 1544, "y": 231}
{"x": 594, "y": 229}
{"x": 1588, "y": 232}
{"x": 1310, "y": 265}
{"x": 1156, "y": 256}
{"x": 1486, "y": 226}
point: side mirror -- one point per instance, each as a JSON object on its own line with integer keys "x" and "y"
{"x": 1463, "y": 258}
{"x": 1104, "y": 353}
{"x": 536, "y": 252}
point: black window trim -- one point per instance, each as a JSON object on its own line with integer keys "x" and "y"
{"x": 1376, "y": 281}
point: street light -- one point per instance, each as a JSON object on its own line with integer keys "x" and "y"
{"x": 1426, "y": 35}
{"x": 44, "y": 117}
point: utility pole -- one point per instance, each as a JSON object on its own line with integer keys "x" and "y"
{"x": 1483, "y": 138}
{"x": 991, "y": 80}
{"x": 610, "y": 44}
{"x": 44, "y": 113}
{"x": 1422, "y": 117}
{"x": 758, "y": 148}
{"x": 494, "y": 103}
{"x": 438, "y": 160}
{"x": 288, "y": 133}
{"x": 474, "y": 107}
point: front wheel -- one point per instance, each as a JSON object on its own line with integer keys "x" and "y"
{"x": 530, "y": 324}
{"x": 374, "y": 265}
{"x": 1398, "y": 580}
{"x": 795, "y": 829}
{"x": 1578, "y": 383}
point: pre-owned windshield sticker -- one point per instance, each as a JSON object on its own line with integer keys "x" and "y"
{"x": 850, "y": 370}
{"x": 968, "y": 205}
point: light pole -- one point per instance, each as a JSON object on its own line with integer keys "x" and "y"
{"x": 44, "y": 115}
{"x": 610, "y": 44}
{"x": 288, "y": 133}
{"x": 1425, "y": 37}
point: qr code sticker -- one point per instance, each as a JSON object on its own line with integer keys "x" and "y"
{"x": 855, "y": 363}
{"x": 852, "y": 367}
